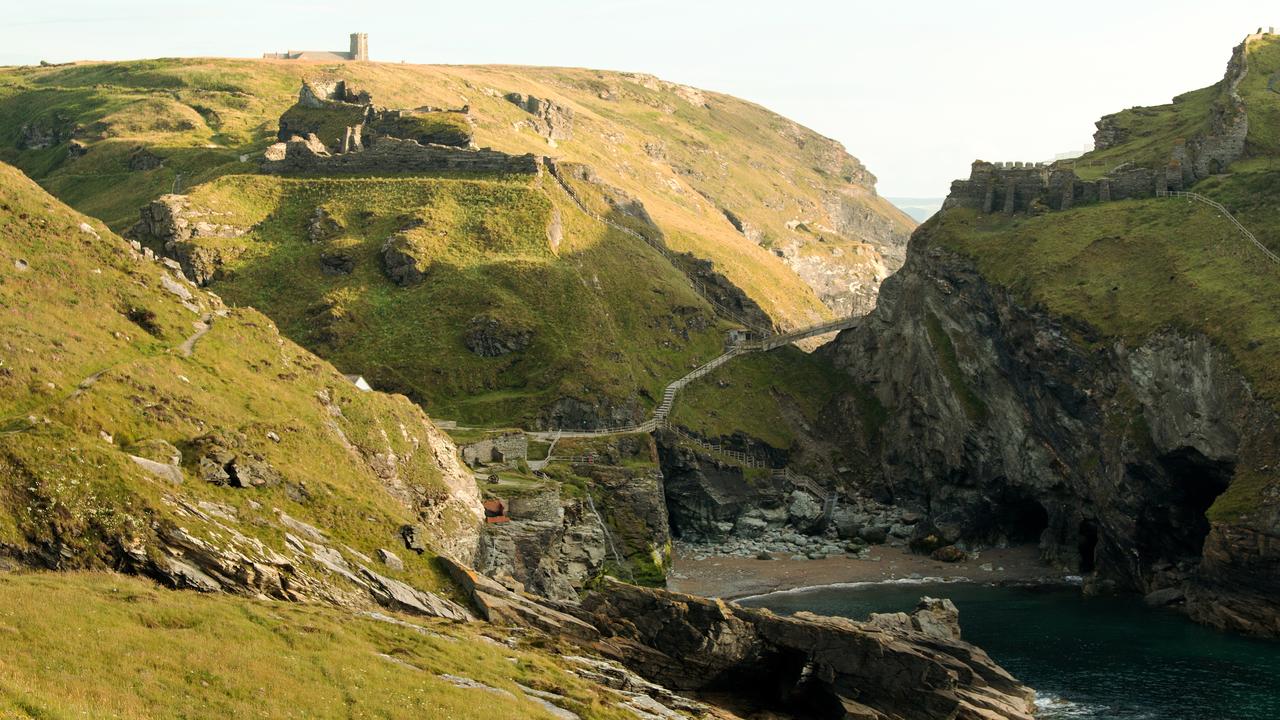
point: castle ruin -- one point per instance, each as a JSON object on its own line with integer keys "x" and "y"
{"x": 334, "y": 129}
{"x": 1012, "y": 187}
{"x": 359, "y": 51}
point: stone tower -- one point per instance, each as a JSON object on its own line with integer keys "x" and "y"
{"x": 359, "y": 46}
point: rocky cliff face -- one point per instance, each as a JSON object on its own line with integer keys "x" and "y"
{"x": 553, "y": 541}
{"x": 1006, "y": 424}
{"x": 894, "y": 667}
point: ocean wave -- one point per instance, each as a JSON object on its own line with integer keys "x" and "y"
{"x": 1052, "y": 707}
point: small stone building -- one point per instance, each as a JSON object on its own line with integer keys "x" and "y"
{"x": 359, "y": 51}
{"x": 503, "y": 449}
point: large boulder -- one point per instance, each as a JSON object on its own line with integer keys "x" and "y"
{"x": 218, "y": 460}
{"x": 142, "y": 160}
{"x": 46, "y": 132}
{"x": 402, "y": 260}
{"x": 804, "y": 512}
{"x": 338, "y": 261}
{"x": 551, "y": 119}
{"x": 177, "y": 227}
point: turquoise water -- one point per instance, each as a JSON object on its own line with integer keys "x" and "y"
{"x": 1093, "y": 658}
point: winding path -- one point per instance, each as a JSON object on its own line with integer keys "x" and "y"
{"x": 1227, "y": 214}
{"x": 663, "y": 411}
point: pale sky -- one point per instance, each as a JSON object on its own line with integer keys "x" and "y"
{"x": 917, "y": 89}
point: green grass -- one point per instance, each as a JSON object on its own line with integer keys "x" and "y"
{"x": 751, "y": 394}
{"x": 610, "y": 318}
{"x": 1261, "y": 103}
{"x": 329, "y": 123}
{"x": 443, "y": 128}
{"x": 67, "y": 447}
{"x": 612, "y": 321}
{"x": 106, "y": 646}
{"x": 1153, "y": 132}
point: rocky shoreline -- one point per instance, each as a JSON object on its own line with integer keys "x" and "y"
{"x": 708, "y": 571}
{"x": 895, "y": 666}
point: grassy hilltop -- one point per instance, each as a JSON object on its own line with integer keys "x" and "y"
{"x": 611, "y": 320}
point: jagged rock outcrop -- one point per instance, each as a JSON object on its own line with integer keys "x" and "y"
{"x": 402, "y": 261}
{"x": 708, "y": 498}
{"x": 489, "y": 336}
{"x": 551, "y": 119}
{"x": 46, "y": 132}
{"x": 322, "y": 226}
{"x": 550, "y": 548}
{"x": 553, "y": 544}
{"x": 217, "y": 462}
{"x": 142, "y": 160}
{"x": 338, "y": 261}
{"x": 589, "y": 410}
{"x": 908, "y": 668}
{"x": 173, "y": 224}
{"x": 1003, "y": 426}
{"x": 502, "y": 606}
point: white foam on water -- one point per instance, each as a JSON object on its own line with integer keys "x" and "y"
{"x": 1052, "y": 707}
{"x": 860, "y": 584}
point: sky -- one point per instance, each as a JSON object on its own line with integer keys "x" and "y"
{"x": 916, "y": 89}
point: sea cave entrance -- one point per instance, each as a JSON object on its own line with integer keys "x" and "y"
{"x": 1020, "y": 519}
{"x": 1087, "y": 544}
{"x": 1175, "y": 525}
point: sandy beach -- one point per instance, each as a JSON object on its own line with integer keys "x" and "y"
{"x": 736, "y": 577}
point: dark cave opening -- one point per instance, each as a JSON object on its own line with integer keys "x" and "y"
{"x": 783, "y": 680}
{"x": 1088, "y": 546}
{"x": 1021, "y": 519}
{"x": 1174, "y": 526}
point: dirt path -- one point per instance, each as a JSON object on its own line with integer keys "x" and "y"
{"x": 188, "y": 346}
{"x": 735, "y": 577}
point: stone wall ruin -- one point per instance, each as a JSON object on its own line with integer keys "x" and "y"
{"x": 363, "y": 139}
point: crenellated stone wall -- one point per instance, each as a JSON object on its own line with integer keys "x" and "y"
{"x": 1036, "y": 187}
{"x": 1012, "y": 187}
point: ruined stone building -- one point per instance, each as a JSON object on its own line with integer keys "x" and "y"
{"x": 359, "y": 51}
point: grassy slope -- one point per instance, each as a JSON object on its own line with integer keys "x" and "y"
{"x": 1153, "y": 132}
{"x": 65, "y": 319}
{"x": 609, "y": 315}
{"x": 80, "y": 645}
{"x": 763, "y": 167}
{"x": 600, "y": 310}
{"x": 1129, "y": 269}
{"x": 748, "y": 395}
